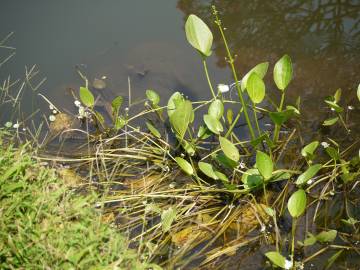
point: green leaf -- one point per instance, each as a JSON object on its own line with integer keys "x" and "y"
{"x": 225, "y": 161}
{"x": 334, "y": 106}
{"x": 229, "y": 116}
{"x": 283, "y": 72}
{"x": 221, "y": 176}
{"x": 198, "y": 35}
{"x": 337, "y": 95}
{"x": 255, "y": 88}
{"x": 276, "y": 258}
{"x": 358, "y": 92}
{"x": 86, "y": 97}
{"x": 184, "y": 165}
{"x": 297, "y": 203}
{"x": 208, "y": 170}
{"x": 181, "y": 118}
{"x": 216, "y": 109}
{"x": 204, "y": 132}
{"x": 167, "y": 218}
{"x": 330, "y": 121}
{"x": 153, "y": 130}
{"x": 328, "y": 236}
{"x": 173, "y": 102}
{"x": 310, "y": 240}
{"x": 229, "y": 149}
{"x": 116, "y": 104}
{"x": 333, "y": 153}
{"x": 213, "y": 124}
{"x": 153, "y": 96}
{"x": 259, "y": 69}
{"x": 309, "y": 149}
{"x": 252, "y": 178}
{"x": 308, "y": 174}
{"x": 119, "y": 123}
{"x": 281, "y": 117}
{"x": 188, "y": 147}
{"x": 264, "y": 165}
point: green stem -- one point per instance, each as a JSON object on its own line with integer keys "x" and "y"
{"x": 293, "y": 230}
{"x": 233, "y": 124}
{"x": 231, "y": 62}
{"x": 278, "y": 127}
{"x": 256, "y": 120}
{"x": 208, "y": 78}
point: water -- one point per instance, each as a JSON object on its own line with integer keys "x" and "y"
{"x": 145, "y": 41}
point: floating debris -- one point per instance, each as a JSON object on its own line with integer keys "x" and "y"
{"x": 99, "y": 84}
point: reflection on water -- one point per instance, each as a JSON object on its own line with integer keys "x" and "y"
{"x": 322, "y": 37}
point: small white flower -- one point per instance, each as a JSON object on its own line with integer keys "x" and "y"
{"x": 242, "y": 165}
{"x": 325, "y": 144}
{"x": 172, "y": 185}
{"x": 263, "y": 228}
{"x": 16, "y": 125}
{"x": 351, "y": 107}
{"x": 103, "y": 77}
{"x": 55, "y": 111}
{"x": 223, "y": 88}
{"x": 288, "y": 264}
{"x": 77, "y": 103}
{"x": 24, "y": 129}
{"x": 52, "y": 118}
{"x": 81, "y": 111}
{"x": 310, "y": 181}
{"x": 51, "y": 107}
{"x": 332, "y": 109}
{"x": 8, "y": 124}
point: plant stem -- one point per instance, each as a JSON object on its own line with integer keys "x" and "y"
{"x": 208, "y": 78}
{"x": 256, "y": 120}
{"x": 293, "y": 230}
{"x": 277, "y": 127}
{"x": 231, "y": 62}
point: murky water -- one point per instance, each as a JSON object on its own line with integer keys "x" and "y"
{"x": 144, "y": 41}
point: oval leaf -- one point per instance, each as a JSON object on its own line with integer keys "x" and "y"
{"x": 153, "y": 96}
{"x": 229, "y": 149}
{"x": 116, "y": 104}
{"x": 198, "y": 34}
{"x": 308, "y": 174}
{"x": 255, "y": 88}
{"x": 309, "y": 149}
{"x": 173, "y": 102}
{"x": 181, "y": 118}
{"x": 259, "y": 69}
{"x": 153, "y": 130}
{"x": 216, "y": 109}
{"x": 276, "y": 258}
{"x": 283, "y": 72}
{"x": 328, "y": 236}
{"x": 297, "y": 203}
{"x": 358, "y": 92}
{"x": 208, "y": 170}
{"x": 264, "y": 165}
{"x": 184, "y": 165}
{"x": 167, "y": 218}
{"x": 330, "y": 121}
{"x": 213, "y": 124}
{"x": 86, "y": 97}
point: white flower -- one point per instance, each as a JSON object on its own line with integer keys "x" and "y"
{"x": 325, "y": 144}
{"x": 288, "y": 264}
{"x": 351, "y": 107}
{"x": 103, "y": 77}
{"x": 263, "y": 228}
{"x": 81, "y": 111}
{"x": 52, "y": 118}
{"x": 55, "y": 111}
{"x": 24, "y": 129}
{"x": 16, "y": 125}
{"x": 77, "y": 103}
{"x": 310, "y": 181}
{"x": 8, "y": 124}
{"x": 332, "y": 109}
{"x": 242, "y": 165}
{"x": 51, "y": 107}
{"x": 223, "y": 88}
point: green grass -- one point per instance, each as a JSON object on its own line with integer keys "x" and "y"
{"x": 45, "y": 225}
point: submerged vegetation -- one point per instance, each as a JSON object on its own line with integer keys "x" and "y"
{"x": 189, "y": 192}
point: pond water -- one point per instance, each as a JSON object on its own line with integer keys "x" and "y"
{"x": 144, "y": 41}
